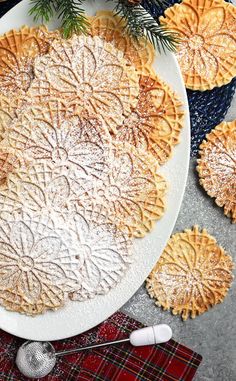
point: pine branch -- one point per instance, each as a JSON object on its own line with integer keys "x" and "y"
{"x": 73, "y": 17}
{"x": 141, "y": 24}
{"x": 126, "y": 12}
{"x": 42, "y": 10}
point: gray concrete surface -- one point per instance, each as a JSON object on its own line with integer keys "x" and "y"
{"x": 212, "y": 334}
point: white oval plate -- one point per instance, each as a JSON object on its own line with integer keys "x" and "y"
{"x": 77, "y": 317}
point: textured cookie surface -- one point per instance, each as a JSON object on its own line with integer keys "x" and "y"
{"x": 132, "y": 195}
{"x": 9, "y": 164}
{"x": 102, "y": 83}
{"x": 39, "y": 265}
{"x": 105, "y": 254}
{"x": 111, "y": 27}
{"x": 8, "y": 108}
{"x": 58, "y": 148}
{"x": 18, "y": 50}
{"x": 207, "y": 51}
{"x": 217, "y": 166}
{"x": 155, "y": 124}
{"x": 192, "y": 274}
{"x": 55, "y": 133}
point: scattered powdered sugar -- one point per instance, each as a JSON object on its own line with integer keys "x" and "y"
{"x": 207, "y": 50}
{"x": 71, "y": 198}
{"x": 90, "y": 72}
{"x": 217, "y": 166}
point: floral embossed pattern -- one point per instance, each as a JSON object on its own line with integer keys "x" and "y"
{"x": 155, "y": 124}
{"x": 40, "y": 188}
{"x": 18, "y": 50}
{"x": 104, "y": 260}
{"x": 217, "y": 167}
{"x": 192, "y": 274}
{"x": 103, "y": 83}
{"x": 57, "y": 134}
{"x": 38, "y": 265}
{"x": 111, "y": 27}
{"x": 132, "y": 195}
{"x": 207, "y": 51}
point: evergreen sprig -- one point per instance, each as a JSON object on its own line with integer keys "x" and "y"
{"x": 70, "y": 12}
{"x": 73, "y": 17}
{"x": 42, "y": 10}
{"x": 139, "y": 22}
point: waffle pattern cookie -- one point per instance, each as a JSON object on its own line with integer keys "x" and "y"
{"x": 18, "y": 50}
{"x": 217, "y": 166}
{"x": 207, "y": 51}
{"x": 39, "y": 265}
{"x": 57, "y": 134}
{"x": 104, "y": 259}
{"x": 111, "y": 28}
{"x": 103, "y": 83}
{"x": 131, "y": 195}
{"x": 155, "y": 124}
{"x": 192, "y": 274}
{"x": 41, "y": 189}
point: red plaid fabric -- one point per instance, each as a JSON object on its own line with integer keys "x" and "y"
{"x": 166, "y": 362}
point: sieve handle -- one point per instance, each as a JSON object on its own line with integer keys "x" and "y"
{"x": 146, "y": 336}
{"x": 156, "y": 334}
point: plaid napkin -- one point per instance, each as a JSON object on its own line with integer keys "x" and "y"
{"x": 166, "y": 362}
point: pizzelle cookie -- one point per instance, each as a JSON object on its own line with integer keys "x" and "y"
{"x": 105, "y": 253}
{"x": 56, "y": 133}
{"x": 217, "y": 166}
{"x": 58, "y": 148}
{"x": 103, "y": 84}
{"x": 155, "y": 124}
{"x": 192, "y": 274}
{"x": 39, "y": 265}
{"x": 111, "y": 27}
{"x": 18, "y": 49}
{"x": 132, "y": 195}
{"x": 207, "y": 50}
{"x": 51, "y": 298}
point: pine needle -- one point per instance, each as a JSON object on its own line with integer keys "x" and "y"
{"x": 42, "y": 10}
{"x": 141, "y": 24}
{"x": 73, "y": 17}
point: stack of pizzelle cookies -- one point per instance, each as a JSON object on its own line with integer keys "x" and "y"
{"x": 84, "y": 126}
